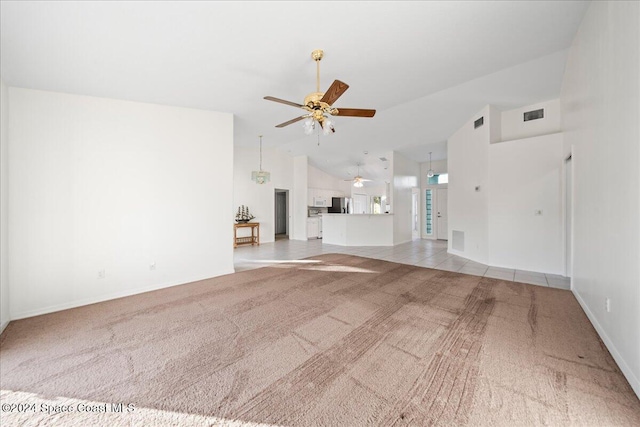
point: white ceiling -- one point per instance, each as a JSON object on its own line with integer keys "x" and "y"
{"x": 425, "y": 66}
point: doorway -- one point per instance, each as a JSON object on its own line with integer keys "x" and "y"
{"x": 281, "y": 214}
{"x": 441, "y": 209}
{"x": 568, "y": 219}
{"x": 360, "y": 205}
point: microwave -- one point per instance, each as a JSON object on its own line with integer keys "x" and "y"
{"x": 319, "y": 202}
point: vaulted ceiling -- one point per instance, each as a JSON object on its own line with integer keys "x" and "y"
{"x": 425, "y": 66}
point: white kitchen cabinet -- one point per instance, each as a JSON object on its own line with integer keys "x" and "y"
{"x": 313, "y": 228}
{"x": 311, "y": 193}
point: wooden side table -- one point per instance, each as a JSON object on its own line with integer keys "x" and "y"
{"x": 254, "y": 239}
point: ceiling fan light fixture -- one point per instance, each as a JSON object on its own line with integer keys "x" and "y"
{"x": 309, "y": 125}
{"x": 327, "y": 127}
{"x": 260, "y": 176}
{"x": 358, "y": 184}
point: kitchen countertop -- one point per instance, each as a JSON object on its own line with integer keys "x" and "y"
{"x": 341, "y": 214}
{"x": 358, "y": 229}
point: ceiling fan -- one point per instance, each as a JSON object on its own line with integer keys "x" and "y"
{"x": 358, "y": 180}
{"x": 319, "y": 105}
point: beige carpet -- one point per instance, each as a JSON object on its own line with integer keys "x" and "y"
{"x": 339, "y": 341}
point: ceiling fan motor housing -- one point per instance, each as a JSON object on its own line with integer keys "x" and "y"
{"x": 313, "y": 99}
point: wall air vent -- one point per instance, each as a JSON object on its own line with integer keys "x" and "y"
{"x": 534, "y": 115}
{"x": 457, "y": 240}
{"x": 478, "y": 122}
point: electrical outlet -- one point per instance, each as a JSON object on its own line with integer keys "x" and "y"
{"x": 607, "y": 305}
{"x": 101, "y": 274}
{"x": 152, "y": 266}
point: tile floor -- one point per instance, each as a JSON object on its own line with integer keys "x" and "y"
{"x": 422, "y": 253}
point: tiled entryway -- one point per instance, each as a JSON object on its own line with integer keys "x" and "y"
{"x": 422, "y": 253}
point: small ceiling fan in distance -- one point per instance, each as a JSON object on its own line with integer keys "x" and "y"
{"x": 319, "y": 105}
{"x": 358, "y": 180}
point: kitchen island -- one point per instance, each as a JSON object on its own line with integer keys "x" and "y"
{"x": 357, "y": 229}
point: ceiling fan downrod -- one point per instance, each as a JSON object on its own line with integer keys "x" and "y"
{"x": 317, "y": 55}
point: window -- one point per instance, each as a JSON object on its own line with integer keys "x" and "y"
{"x": 376, "y": 204}
{"x": 429, "y": 211}
{"x": 442, "y": 178}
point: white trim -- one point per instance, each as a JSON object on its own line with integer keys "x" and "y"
{"x": 108, "y": 297}
{"x": 400, "y": 243}
{"x": 3, "y": 326}
{"x": 626, "y": 371}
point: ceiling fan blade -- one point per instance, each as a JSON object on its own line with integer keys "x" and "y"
{"x": 282, "y": 101}
{"x": 334, "y": 92}
{"x": 297, "y": 119}
{"x": 356, "y": 112}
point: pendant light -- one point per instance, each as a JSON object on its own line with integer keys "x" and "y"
{"x": 430, "y": 172}
{"x": 260, "y": 177}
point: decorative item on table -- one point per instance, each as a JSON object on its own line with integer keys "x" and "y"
{"x": 243, "y": 214}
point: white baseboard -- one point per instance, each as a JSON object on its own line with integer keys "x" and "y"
{"x": 628, "y": 373}
{"x": 402, "y": 242}
{"x": 108, "y": 297}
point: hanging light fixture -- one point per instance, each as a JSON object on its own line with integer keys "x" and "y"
{"x": 357, "y": 181}
{"x": 430, "y": 172}
{"x": 260, "y": 177}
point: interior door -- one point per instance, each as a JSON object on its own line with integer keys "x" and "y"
{"x": 441, "y": 216}
{"x": 281, "y": 213}
{"x": 360, "y": 204}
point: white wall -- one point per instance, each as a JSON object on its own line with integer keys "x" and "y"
{"x": 514, "y": 127}
{"x": 300, "y": 188}
{"x": 515, "y": 179}
{"x": 468, "y": 164}
{"x": 322, "y": 180}
{"x": 525, "y": 176}
{"x": 405, "y": 173}
{"x": 260, "y": 198}
{"x": 4, "y": 190}
{"x": 101, "y": 184}
{"x": 495, "y": 125}
{"x": 601, "y": 115}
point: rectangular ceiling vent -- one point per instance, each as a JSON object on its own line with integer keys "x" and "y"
{"x": 478, "y": 122}
{"x": 534, "y": 115}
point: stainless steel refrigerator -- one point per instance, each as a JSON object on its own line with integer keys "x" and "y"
{"x": 340, "y": 205}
